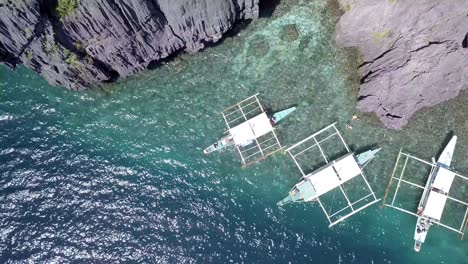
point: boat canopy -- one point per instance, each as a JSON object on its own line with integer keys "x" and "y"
{"x": 443, "y": 180}
{"x": 436, "y": 201}
{"x": 329, "y": 177}
{"x": 435, "y": 205}
{"x": 334, "y": 174}
{"x": 347, "y": 168}
{"x": 251, "y": 130}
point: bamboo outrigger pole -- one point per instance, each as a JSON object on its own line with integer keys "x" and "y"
{"x": 248, "y": 98}
{"x": 463, "y": 231}
{"x": 390, "y": 181}
{"x": 261, "y": 158}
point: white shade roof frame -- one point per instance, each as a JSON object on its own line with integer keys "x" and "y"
{"x": 251, "y": 130}
{"x": 333, "y": 175}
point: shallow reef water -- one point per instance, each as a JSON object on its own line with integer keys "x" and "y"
{"x": 117, "y": 174}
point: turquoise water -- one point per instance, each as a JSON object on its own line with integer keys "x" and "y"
{"x": 118, "y": 174}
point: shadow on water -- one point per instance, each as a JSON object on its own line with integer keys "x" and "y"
{"x": 267, "y": 7}
{"x": 157, "y": 63}
{"x": 236, "y": 28}
{"x": 359, "y": 150}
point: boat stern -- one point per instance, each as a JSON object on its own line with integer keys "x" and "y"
{"x": 417, "y": 246}
{"x": 207, "y": 151}
{"x": 286, "y": 200}
{"x": 420, "y": 232}
{"x": 219, "y": 145}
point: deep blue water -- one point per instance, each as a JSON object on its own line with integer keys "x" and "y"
{"x": 118, "y": 175}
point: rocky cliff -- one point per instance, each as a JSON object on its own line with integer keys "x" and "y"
{"x": 415, "y": 53}
{"x": 78, "y": 43}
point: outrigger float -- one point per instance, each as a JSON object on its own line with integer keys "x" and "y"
{"x": 250, "y": 130}
{"x": 330, "y": 176}
{"x": 435, "y": 193}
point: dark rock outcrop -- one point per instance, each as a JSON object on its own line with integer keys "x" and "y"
{"x": 105, "y": 39}
{"x": 414, "y": 51}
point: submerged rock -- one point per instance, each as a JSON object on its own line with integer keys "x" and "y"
{"x": 415, "y": 54}
{"x": 290, "y": 32}
{"x": 94, "y": 41}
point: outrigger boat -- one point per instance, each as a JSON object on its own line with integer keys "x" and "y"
{"x": 435, "y": 193}
{"x": 330, "y": 176}
{"x": 250, "y": 130}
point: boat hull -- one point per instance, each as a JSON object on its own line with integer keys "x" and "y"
{"x": 447, "y": 154}
{"x": 420, "y": 232}
{"x": 364, "y": 157}
{"x": 219, "y": 145}
{"x": 423, "y": 223}
{"x": 280, "y": 115}
{"x": 227, "y": 141}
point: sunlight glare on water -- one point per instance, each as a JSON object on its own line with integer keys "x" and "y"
{"x": 118, "y": 174}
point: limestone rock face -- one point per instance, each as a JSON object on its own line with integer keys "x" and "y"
{"x": 101, "y": 40}
{"x": 415, "y": 53}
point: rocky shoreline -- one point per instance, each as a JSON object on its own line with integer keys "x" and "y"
{"x": 78, "y": 45}
{"x": 415, "y": 54}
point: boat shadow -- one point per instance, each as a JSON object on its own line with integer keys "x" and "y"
{"x": 363, "y": 149}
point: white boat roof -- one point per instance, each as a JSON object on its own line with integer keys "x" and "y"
{"x": 435, "y": 205}
{"x": 347, "y": 168}
{"x": 436, "y": 201}
{"x": 324, "y": 180}
{"x": 334, "y": 174}
{"x": 443, "y": 180}
{"x": 251, "y": 129}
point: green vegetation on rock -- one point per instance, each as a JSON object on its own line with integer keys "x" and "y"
{"x": 28, "y": 32}
{"x": 347, "y": 7}
{"x": 66, "y": 7}
{"x": 378, "y": 36}
{"x": 28, "y": 54}
{"x": 50, "y": 48}
{"x": 72, "y": 59}
{"x": 79, "y": 46}
{"x": 89, "y": 59}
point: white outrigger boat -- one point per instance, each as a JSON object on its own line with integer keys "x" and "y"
{"x": 330, "y": 176}
{"x": 435, "y": 193}
{"x": 250, "y": 130}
